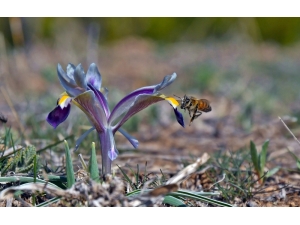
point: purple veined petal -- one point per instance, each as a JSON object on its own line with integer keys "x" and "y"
{"x": 132, "y": 140}
{"x": 141, "y": 102}
{"x": 112, "y": 150}
{"x": 93, "y": 76}
{"x": 95, "y": 112}
{"x": 82, "y": 137}
{"x": 70, "y": 72}
{"x": 166, "y": 82}
{"x": 124, "y": 105}
{"x": 72, "y": 89}
{"x": 102, "y": 100}
{"x": 58, "y": 115}
{"x": 79, "y": 77}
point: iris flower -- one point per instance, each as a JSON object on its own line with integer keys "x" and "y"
{"x": 84, "y": 91}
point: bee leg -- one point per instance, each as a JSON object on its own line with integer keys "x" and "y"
{"x": 196, "y": 114}
{"x": 190, "y": 113}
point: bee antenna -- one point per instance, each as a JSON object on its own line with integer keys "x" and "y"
{"x": 177, "y": 97}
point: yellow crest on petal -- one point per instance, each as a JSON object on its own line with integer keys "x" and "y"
{"x": 171, "y": 100}
{"x": 64, "y": 100}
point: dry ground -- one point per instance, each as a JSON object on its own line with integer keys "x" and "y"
{"x": 235, "y": 79}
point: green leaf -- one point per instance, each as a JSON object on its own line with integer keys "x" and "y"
{"x": 34, "y": 178}
{"x": 171, "y": 200}
{"x": 23, "y": 180}
{"x": 273, "y": 171}
{"x": 35, "y": 169}
{"x": 137, "y": 174}
{"x": 48, "y": 202}
{"x": 254, "y": 156}
{"x": 69, "y": 167}
{"x": 263, "y": 157}
{"x": 296, "y": 158}
{"x": 298, "y": 164}
{"x": 126, "y": 177}
{"x": 93, "y": 165}
{"x": 199, "y": 197}
{"x": 134, "y": 192}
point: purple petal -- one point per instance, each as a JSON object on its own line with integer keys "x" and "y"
{"x": 70, "y": 72}
{"x": 82, "y": 137}
{"x": 58, "y": 115}
{"x": 95, "y": 112}
{"x": 124, "y": 105}
{"x": 79, "y": 77}
{"x": 71, "y": 88}
{"x": 127, "y": 101}
{"x": 132, "y": 140}
{"x": 102, "y": 100}
{"x": 93, "y": 76}
{"x": 166, "y": 82}
{"x": 141, "y": 102}
{"x": 179, "y": 117}
{"x": 112, "y": 154}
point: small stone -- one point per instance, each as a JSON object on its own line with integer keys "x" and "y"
{"x": 251, "y": 204}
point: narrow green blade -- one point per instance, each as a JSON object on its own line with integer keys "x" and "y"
{"x": 199, "y": 197}
{"x": 93, "y": 165}
{"x": 69, "y": 167}
{"x": 48, "y": 202}
{"x": 273, "y": 171}
{"x": 126, "y": 177}
{"x": 171, "y": 200}
{"x": 263, "y": 157}
{"x": 296, "y": 158}
{"x": 254, "y": 155}
{"x": 134, "y": 192}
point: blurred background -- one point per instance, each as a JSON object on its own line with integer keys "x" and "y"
{"x": 247, "y": 67}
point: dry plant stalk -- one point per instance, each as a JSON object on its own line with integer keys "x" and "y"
{"x": 9, "y": 102}
{"x": 189, "y": 169}
{"x": 289, "y": 130}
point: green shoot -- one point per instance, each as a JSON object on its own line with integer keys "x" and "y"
{"x": 69, "y": 167}
{"x": 259, "y": 160}
{"x": 93, "y": 165}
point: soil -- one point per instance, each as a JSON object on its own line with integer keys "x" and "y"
{"x": 164, "y": 146}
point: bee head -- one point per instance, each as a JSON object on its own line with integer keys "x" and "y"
{"x": 185, "y": 101}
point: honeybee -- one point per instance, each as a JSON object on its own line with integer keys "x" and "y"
{"x": 194, "y": 106}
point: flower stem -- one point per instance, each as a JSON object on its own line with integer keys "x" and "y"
{"x": 106, "y": 164}
{"x": 105, "y": 146}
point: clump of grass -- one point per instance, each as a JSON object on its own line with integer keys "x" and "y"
{"x": 241, "y": 171}
{"x": 236, "y": 169}
{"x": 21, "y": 162}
